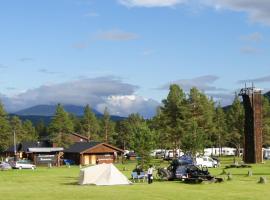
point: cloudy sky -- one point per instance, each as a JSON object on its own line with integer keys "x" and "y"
{"x": 124, "y": 54}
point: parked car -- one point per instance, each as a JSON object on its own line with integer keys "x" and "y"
{"x": 206, "y": 161}
{"x": 4, "y": 166}
{"x": 22, "y": 164}
{"x": 69, "y": 162}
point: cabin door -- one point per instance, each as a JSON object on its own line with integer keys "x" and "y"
{"x": 93, "y": 159}
{"x": 86, "y": 160}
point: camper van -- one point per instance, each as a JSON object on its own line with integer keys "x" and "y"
{"x": 266, "y": 154}
{"x": 206, "y": 161}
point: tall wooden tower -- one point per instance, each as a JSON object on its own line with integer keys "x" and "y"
{"x": 252, "y": 100}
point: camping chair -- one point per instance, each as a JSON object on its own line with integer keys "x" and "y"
{"x": 135, "y": 176}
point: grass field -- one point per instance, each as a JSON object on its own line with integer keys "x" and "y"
{"x": 61, "y": 183}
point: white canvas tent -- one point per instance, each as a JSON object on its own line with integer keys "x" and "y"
{"x": 103, "y": 174}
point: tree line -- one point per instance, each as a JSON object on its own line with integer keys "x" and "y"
{"x": 191, "y": 121}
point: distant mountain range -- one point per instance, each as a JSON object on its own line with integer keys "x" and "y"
{"x": 49, "y": 110}
{"x": 46, "y": 112}
{"x": 267, "y": 95}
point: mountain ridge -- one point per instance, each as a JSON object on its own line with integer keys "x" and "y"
{"x": 45, "y": 113}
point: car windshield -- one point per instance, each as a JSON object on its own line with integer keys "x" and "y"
{"x": 23, "y": 162}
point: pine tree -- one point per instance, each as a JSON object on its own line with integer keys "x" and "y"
{"x": 175, "y": 111}
{"x": 266, "y": 122}
{"x": 220, "y": 136}
{"x": 107, "y": 127}
{"x": 235, "y": 123}
{"x": 60, "y": 127}
{"x": 200, "y": 124}
{"x": 158, "y": 126}
{"x": 194, "y": 139}
{"x": 5, "y": 130}
{"x": 89, "y": 124}
{"x": 41, "y": 129}
{"x": 17, "y": 127}
{"x": 29, "y": 131}
{"x": 142, "y": 142}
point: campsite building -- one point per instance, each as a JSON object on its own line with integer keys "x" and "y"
{"x": 87, "y": 153}
{"x": 40, "y": 152}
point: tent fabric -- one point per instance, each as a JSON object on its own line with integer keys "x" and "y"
{"x": 103, "y": 174}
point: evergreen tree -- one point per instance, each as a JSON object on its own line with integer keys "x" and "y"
{"x": 158, "y": 126}
{"x": 175, "y": 111}
{"x": 202, "y": 110}
{"x": 5, "y": 130}
{"x": 89, "y": 124}
{"x": 235, "y": 123}
{"x": 142, "y": 142}
{"x": 29, "y": 132}
{"x": 41, "y": 129}
{"x": 125, "y": 128}
{"x": 194, "y": 139}
{"x": 107, "y": 127}
{"x": 200, "y": 125}
{"x": 60, "y": 127}
{"x": 219, "y": 137}
{"x": 266, "y": 122}
{"x": 76, "y": 122}
{"x": 16, "y": 126}
{"x": 123, "y": 134}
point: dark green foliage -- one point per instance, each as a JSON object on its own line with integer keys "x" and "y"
{"x": 194, "y": 139}
{"x": 235, "y": 124}
{"x": 5, "y": 130}
{"x": 29, "y": 131}
{"x": 175, "y": 112}
{"x": 142, "y": 142}
{"x": 219, "y": 136}
{"x": 107, "y": 128}
{"x": 17, "y": 127}
{"x": 60, "y": 127}
{"x": 41, "y": 129}
{"x": 201, "y": 117}
{"x": 266, "y": 122}
{"x": 158, "y": 126}
{"x": 89, "y": 125}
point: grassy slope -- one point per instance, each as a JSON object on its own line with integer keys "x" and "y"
{"x": 61, "y": 183}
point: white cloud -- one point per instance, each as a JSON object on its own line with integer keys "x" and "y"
{"x": 253, "y": 37}
{"x": 151, "y": 3}
{"x": 257, "y": 10}
{"x": 116, "y": 35}
{"x": 250, "y": 50}
{"x": 98, "y": 92}
{"x": 81, "y": 45}
{"x": 92, "y": 14}
{"x": 25, "y": 59}
{"x": 125, "y": 105}
{"x": 264, "y": 79}
{"x": 46, "y": 71}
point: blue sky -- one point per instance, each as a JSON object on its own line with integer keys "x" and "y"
{"x": 124, "y": 53}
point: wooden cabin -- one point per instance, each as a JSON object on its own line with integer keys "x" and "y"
{"x": 89, "y": 153}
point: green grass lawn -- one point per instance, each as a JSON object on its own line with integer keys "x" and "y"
{"x": 61, "y": 183}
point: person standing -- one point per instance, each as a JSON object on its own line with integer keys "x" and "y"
{"x": 150, "y": 174}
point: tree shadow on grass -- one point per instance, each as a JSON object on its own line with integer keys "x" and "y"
{"x": 71, "y": 183}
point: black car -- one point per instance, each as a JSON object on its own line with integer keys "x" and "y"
{"x": 182, "y": 169}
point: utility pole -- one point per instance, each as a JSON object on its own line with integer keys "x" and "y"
{"x": 15, "y": 149}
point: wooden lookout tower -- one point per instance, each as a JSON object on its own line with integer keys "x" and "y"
{"x": 252, "y": 100}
